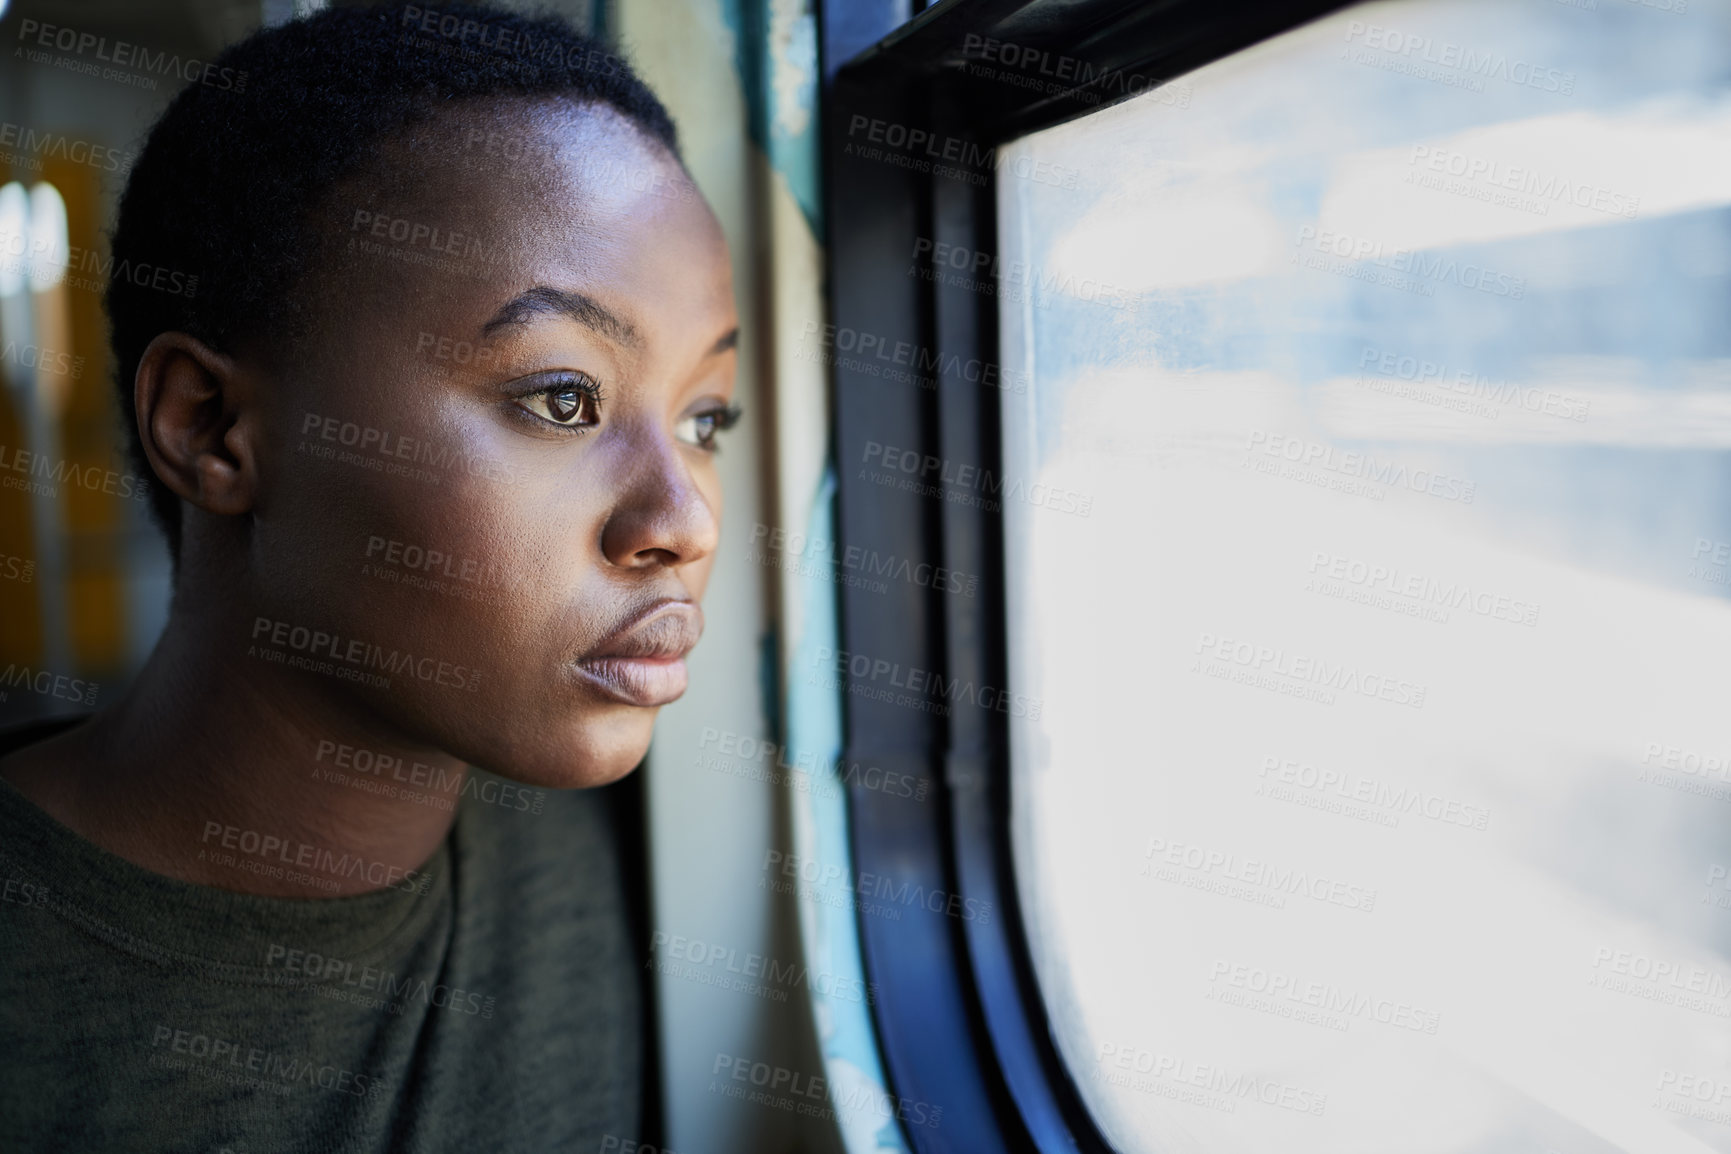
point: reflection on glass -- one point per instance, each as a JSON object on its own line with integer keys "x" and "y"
{"x": 1380, "y": 799}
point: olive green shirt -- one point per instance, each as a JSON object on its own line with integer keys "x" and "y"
{"x": 490, "y": 1003}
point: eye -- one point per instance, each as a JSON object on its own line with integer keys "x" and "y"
{"x": 570, "y": 400}
{"x": 700, "y": 428}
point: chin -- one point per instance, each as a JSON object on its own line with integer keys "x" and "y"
{"x": 593, "y": 752}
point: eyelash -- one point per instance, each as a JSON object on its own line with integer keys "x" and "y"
{"x": 724, "y": 418}
{"x": 566, "y": 383}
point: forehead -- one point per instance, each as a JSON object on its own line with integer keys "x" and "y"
{"x": 494, "y": 196}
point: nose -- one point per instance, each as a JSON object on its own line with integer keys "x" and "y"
{"x": 662, "y": 517}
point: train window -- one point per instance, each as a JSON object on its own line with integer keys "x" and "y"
{"x": 1372, "y": 575}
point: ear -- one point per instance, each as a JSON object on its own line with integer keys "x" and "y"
{"x": 197, "y": 419}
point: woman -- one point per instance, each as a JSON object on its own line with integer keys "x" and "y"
{"x": 432, "y": 443}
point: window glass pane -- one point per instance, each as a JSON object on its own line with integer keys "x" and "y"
{"x": 1369, "y": 546}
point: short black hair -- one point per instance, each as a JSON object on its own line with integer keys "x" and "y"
{"x": 214, "y": 228}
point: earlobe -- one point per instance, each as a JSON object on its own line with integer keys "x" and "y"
{"x": 195, "y": 417}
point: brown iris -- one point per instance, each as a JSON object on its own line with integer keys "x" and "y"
{"x": 565, "y": 404}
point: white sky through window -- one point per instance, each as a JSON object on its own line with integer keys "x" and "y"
{"x": 1380, "y": 796}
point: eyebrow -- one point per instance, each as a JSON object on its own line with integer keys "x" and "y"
{"x": 728, "y": 341}
{"x": 543, "y": 300}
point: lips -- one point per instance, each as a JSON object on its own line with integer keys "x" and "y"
{"x": 643, "y": 661}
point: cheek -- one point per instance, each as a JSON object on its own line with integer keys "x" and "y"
{"x": 410, "y": 533}
{"x": 491, "y": 547}
{"x": 712, "y": 492}
{"x": 696, "y": 576}
{"x": 378, "y": 483}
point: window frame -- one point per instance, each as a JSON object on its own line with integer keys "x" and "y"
{"x": 959, "y": 1018}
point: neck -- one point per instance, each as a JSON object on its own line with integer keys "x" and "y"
{"x": 219, "y": 768}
